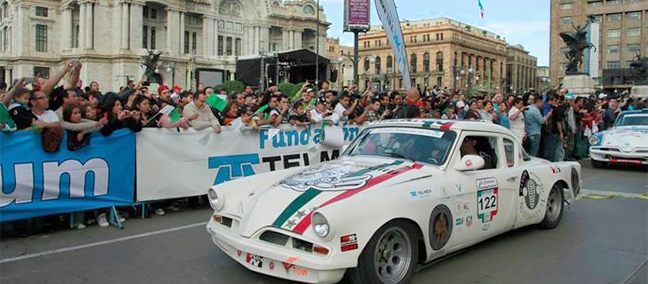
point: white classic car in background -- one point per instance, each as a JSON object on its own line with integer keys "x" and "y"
{"x": 404, "y": 192}
{"x": 625, "y": 143}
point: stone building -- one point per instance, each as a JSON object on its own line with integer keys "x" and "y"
{"x": 623, "y": 32}
{"x": 341, "y": 57}
{"x": 110, "y": 37}
{"x": 520, "y": 70}
{"x": 441, "y": 52}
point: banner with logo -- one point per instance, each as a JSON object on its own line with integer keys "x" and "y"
{"x": 35, "y": 183}
{"x": 389, "y": 18}
{"x": 172, "y": 164}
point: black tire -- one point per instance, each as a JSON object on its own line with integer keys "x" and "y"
{"x": 598, "y": 164}
{"x": 366, "y": 271}
{"x": 555, "y": 207}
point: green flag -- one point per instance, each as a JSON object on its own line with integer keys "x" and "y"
{"x": 174, "y": 116}
{"x": 261, "y": 109}
{"x": 216, "y": 102}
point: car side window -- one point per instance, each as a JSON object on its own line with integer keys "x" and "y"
{"x": 483, "y": 146}
{"x": 509, "y": 150}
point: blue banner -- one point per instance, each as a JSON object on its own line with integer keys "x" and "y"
{"x": 35, "y": 183}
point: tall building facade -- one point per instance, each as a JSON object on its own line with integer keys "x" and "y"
{"x": 341, "y": 57}
{"x": 521, "y": 70}
{"x": 110, "y": 37}
{"x": 441, "y": 52}
{"x": 623, "y": 33}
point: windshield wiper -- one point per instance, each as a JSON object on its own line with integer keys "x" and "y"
{"x": 400, "y": 156}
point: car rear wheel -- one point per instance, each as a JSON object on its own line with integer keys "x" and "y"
{"x": 598, "y": 164}
{"x": 554, "y": 211}
{"x": 390, "y": 257}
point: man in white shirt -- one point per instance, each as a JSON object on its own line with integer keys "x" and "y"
{"x": 322, "y": 113}
{"x": 516, "y": 118}
{"x": 344, "y": 108}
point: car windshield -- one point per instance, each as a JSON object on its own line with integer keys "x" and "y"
{"x": 420, "y": 145}
{"x": 632, "y": 119}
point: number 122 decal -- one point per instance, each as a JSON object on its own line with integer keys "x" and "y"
{"x": 487, "y": 204}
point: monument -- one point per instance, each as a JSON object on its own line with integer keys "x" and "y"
{"x": 639, "y": 68}
{"x": 579, "y": 83}
{"x": 151, "y": 73}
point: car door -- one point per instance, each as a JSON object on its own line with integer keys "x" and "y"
{"x": 515, "y": 173}
{"x": 532, "y": 191}
{"x": 486, "y": 207}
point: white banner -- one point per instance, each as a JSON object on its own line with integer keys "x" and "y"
{"x": 389, "y": 18}
{"x": 172, "y": 164}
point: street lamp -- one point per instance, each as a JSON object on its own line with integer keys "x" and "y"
{"x": 170, "y": 68}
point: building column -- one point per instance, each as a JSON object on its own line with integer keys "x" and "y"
{"x": 208, "y": 36}
{"x": 298, "y": 40}
{"x": 284, "y": 42}
{"x": 257, "y": 40}
{"x": 181, "y": 49}
{"x": 249, "y": 40}
{"x": 82, "y": 26}
{"x": 265, "y": 39}
{"x": 173, "y": 35}
{"x": 136, "y": 27}
{"x": 291, "y": 39}
{"x": 215, "y": 39}
{"x": 66, "y": 37}
{"x": 125, "y": 26}
{"x": 89, "y": 22}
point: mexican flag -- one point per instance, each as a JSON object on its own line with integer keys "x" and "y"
{"x": 481, "y": 8}
{"x": 215, "y": 101}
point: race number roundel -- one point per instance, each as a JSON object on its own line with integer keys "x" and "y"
{"x": 440, "y": 227}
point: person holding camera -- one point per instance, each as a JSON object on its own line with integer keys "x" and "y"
{"x": 516, "y": 118}
{"x": 322, "y": 113}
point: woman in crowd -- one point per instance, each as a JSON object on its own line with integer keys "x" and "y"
{"x": 231, "y": 113}
{"x": 449, "y": 112}
{"x": 119, "y": 118}
{"x": 502, "y": 115}
{"x": 75, "y": 139}
{"x": 142, "y": 105}
{"x": 473, "y": 111}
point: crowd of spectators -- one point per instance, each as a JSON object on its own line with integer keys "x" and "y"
{"x": 554, "y": 125}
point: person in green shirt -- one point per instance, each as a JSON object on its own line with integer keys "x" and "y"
{"x": 7, "y": 124}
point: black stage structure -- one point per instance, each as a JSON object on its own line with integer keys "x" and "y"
{"x": 292, "y": 66}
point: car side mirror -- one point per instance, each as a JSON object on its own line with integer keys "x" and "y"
{"x": 470, "y": 163}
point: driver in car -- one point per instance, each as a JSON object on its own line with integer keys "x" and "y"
{"x": 469, "y": 147}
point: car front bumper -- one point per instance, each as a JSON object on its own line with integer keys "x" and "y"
{"x": 618, "y": 157}
{"x": 273, "y": 261}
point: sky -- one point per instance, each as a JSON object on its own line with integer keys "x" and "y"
{"x": 523, "y": 22}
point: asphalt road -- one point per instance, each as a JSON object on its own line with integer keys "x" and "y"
{"x": 598, "y": 241}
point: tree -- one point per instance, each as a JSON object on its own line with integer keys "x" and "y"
{"x": 232, "y": 86}
{"x": 289, "y": 89}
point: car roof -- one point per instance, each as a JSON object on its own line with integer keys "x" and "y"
{"x": 460, "y": 125}
{"x": 642, "y": 111}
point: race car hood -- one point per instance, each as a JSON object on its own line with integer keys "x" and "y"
{"x": 626, "y": 138}
{"x": 289, "y": 203}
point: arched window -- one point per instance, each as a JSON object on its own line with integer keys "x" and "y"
{"x": 390, "y": 64}
{"x": 366, "y": 64}
{"x": 377, "y": 65}
{"x": 413, "y": 62}
{"x": 426, "y": 62}
{"x": 439, "y": 61}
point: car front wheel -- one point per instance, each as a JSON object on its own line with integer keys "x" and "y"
{"x": 390, "y": 257}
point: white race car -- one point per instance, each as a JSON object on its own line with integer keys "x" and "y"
{"x": 404, "y": 192}
{"x": 625, "y": 143}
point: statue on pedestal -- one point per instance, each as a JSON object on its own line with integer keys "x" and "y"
{"x": 639, "y": 68}
{"x": 577, "y": 43}
{"x": 151, "y": 63}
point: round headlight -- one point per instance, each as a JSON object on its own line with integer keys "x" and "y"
{"x": 214, "y": 200}
{"x": 593, "y": 140}
{"x": 320, "y": 225}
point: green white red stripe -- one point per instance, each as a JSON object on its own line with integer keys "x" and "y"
{"x": 306, "y": 221}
